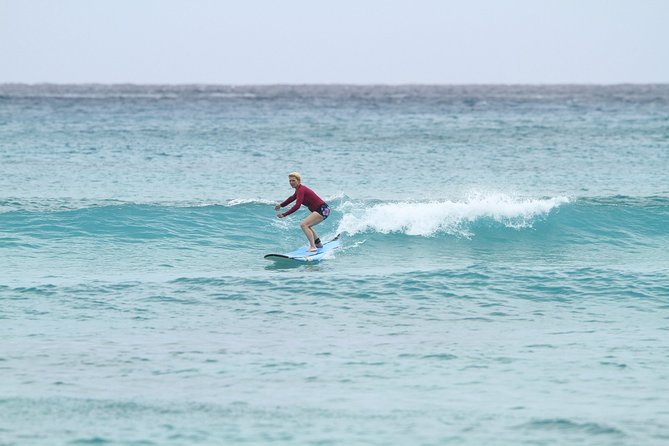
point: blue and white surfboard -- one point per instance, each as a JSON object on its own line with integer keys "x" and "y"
{"x": 302, "y": 255}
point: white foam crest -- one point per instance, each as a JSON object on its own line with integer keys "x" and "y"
{"x": 453, "y": 217}
{"x": 241, "y": 201}
{"x": 337, "y": 196}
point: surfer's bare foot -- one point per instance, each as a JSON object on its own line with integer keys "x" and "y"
{"x": 312, "y": 249}
{"x": 319, "y": 246}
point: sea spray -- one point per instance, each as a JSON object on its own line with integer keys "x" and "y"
{"x": 451, "y": 217}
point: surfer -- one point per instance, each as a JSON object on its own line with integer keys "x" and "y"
{"x": 319, "y": 209}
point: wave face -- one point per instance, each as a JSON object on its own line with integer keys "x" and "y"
{"x": 497, "y": 227}
{"x": 503, "y": 276}
{"x": 608, "y": 219}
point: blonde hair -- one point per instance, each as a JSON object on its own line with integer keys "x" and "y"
{"x": 295, "y": 175}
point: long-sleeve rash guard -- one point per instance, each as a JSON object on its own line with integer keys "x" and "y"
{"x": 305, "y": 196}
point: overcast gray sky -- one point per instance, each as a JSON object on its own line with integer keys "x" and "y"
{"x": 342, "y": 41}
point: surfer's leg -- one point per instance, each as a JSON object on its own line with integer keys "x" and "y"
{"x": 313, "y": 219}
{"x": 324, "y": 212}
{"x": 317, "y": 241}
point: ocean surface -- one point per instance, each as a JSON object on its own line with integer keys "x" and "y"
{"x": 503, "y": 277}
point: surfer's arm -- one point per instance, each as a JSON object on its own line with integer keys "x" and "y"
{"x": 284, "y": 203}
{"x": 288, "y": 200}
{"x": 297, "y": 196}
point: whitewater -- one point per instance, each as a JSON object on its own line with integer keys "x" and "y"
{"x": 503, "y": 276}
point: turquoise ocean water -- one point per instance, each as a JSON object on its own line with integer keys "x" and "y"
{"x": 503, "y": 277}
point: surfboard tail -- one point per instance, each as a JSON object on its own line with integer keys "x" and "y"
{"x": 276, "y": 256}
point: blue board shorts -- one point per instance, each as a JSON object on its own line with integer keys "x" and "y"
{"x": 324, "y": 210}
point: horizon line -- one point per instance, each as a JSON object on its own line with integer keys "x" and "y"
{"x": 333, "y": 84}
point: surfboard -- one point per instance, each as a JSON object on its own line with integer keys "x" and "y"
{"x": 302, "y": 255}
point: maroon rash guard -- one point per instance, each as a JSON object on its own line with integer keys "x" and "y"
{"x": 305, "y": 196}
